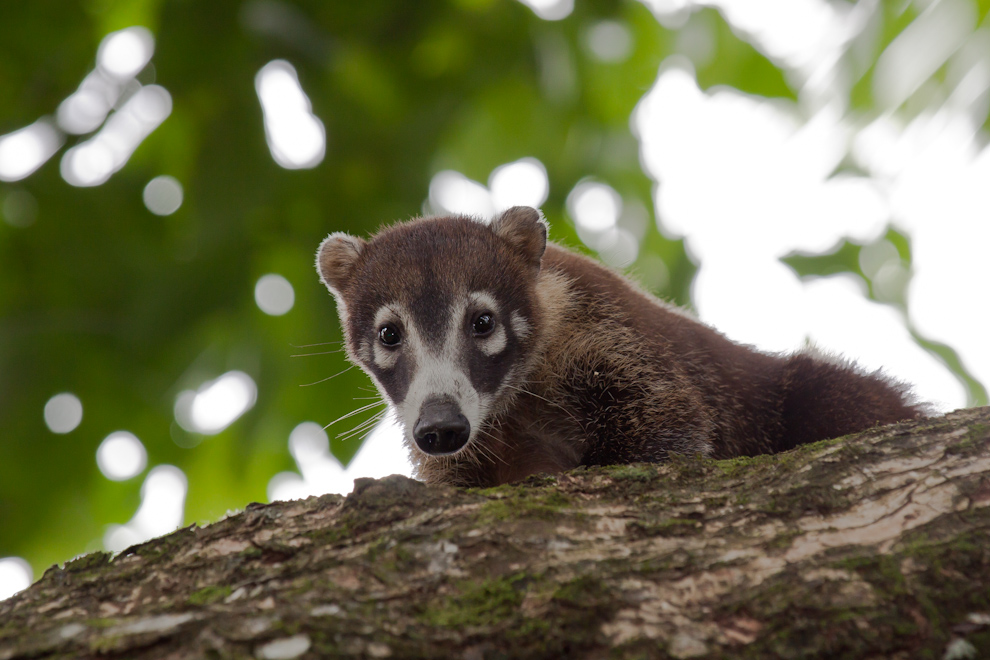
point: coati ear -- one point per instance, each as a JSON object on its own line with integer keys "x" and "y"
{"x": 336, "y": 258}
{"x": 526, "y": 230}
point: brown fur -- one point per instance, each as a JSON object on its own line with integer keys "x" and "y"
{"x": 609, "y": 374}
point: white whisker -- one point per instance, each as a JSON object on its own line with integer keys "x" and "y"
{"x": 363, "y": 426}
{"x": 328, "y": 377}
{"x": 337, "y": 350}
{"x": 358, "y": 411}
{"x": 319, "y": 343}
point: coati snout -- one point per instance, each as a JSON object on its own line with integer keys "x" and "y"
{"x": 441, "y": 428}
{"x": 504, "y": 355}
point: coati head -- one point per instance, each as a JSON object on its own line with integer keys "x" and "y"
{"x": 441, "y": 312}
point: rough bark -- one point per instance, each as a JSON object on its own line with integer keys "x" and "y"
{"x": 873, "y": 545}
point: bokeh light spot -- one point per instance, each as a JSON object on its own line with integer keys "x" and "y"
{"x": 274, "y": 294}
{"x": 382, "y": 453}
{"x": 163, "y": 498}
{"x": 296, "y": 137}
{"x": 618, "y": 248}
{"x": 15, "y": 575}
{"x": 121, "y": 456}
{"x": 92, "y": 162}
{"x": 163, "y": 195}
{"x": 594, "y": 206}
{"x": 550, "y": 10}
{"x": 25, "y": 150}
{"x": 452, "y": 192}
{"x": 609, "y": 41}
{"x": 63, "y": 413}
{"x": 308, "y": 442}
{"x": 875, "y": 256}
{"x": 19, "y": 208}
{"x": 216, "y": 404}
{"x": 652, "y": 273}
{"x": 890, "y": 282}
{"x": 86, "y": 108}
{"x": 520, "y": 183}
{"x": 286, "y": 486}
{"x": 123, "y": 53}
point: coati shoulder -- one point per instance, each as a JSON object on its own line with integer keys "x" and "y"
{"x": 504, "y": 355}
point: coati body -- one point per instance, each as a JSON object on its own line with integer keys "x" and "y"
{"x": 504, "y": 355}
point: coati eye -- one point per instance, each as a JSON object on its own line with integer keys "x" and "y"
{"x": 483, "y": 324}
{"x": 389, "y": 335}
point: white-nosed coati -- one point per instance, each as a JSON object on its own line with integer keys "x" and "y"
{"x": 504, "y": 355}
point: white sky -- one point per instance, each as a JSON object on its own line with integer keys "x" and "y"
{"x": 745, "y": 180}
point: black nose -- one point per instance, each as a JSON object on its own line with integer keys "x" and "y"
{"x": 441, "y": 428}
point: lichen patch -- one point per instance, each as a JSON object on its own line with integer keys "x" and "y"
{"x": 285, "y": 648}
{"x": 224, "y": 547}
{"x": 155, "y": 624}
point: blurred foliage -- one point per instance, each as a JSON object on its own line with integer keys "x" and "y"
{"x": 125, "y": 309}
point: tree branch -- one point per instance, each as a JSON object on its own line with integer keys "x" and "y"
{"x": 876, "y": 544}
